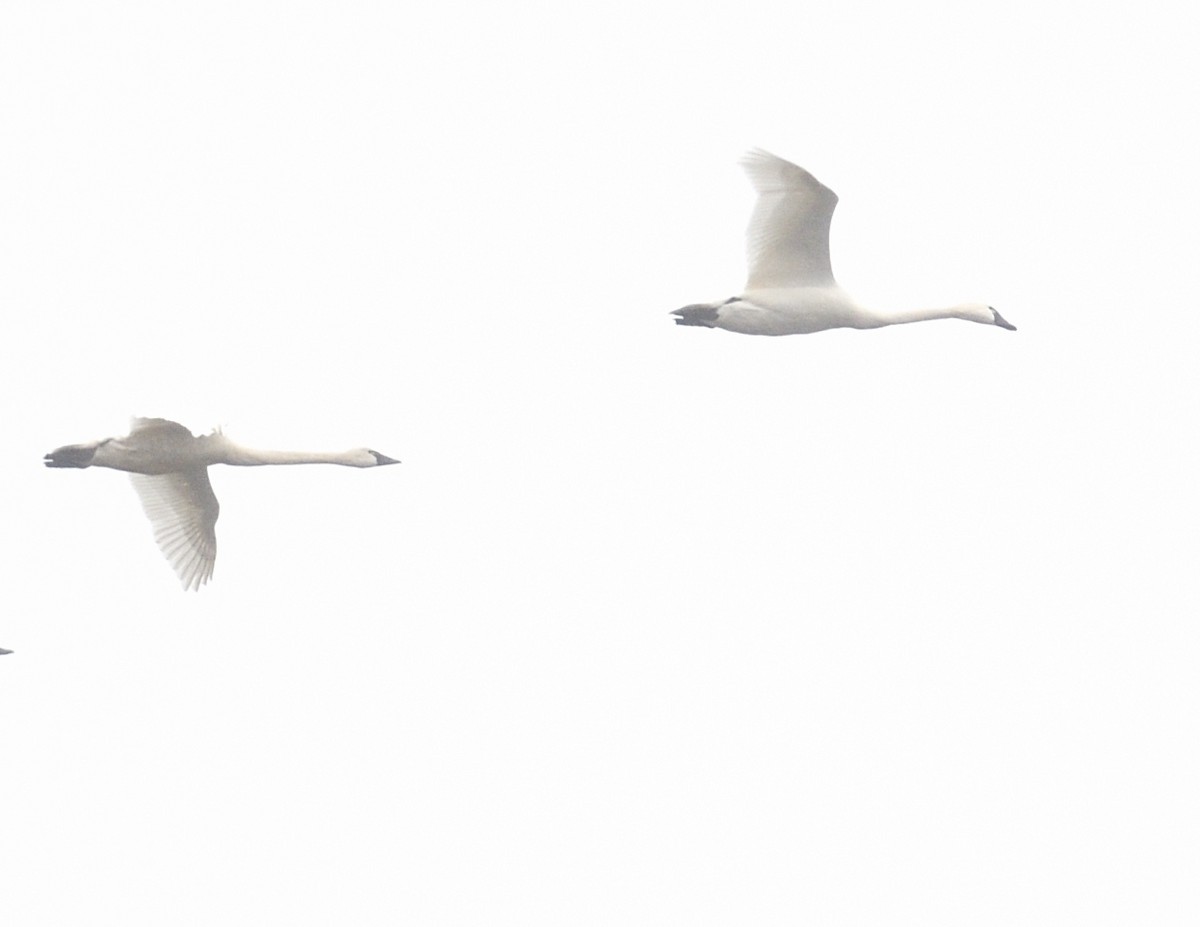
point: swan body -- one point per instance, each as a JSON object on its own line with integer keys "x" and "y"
{"x": 790, "y": 288}
{"x": 169, "y": 467}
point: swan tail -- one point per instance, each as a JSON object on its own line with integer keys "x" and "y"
{"x": 702, "y": 314}
{"x": 72, "y": 455}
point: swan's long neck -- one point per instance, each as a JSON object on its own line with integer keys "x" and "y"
{"x": 227, "y": 452}
{"x": 249, "y": 457}
{"x": 971, "y": 312}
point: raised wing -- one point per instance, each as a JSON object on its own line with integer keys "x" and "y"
{"x": 158, "y": 426}
{"x": 183, "y": 510}
{"x": 787, "y": 243}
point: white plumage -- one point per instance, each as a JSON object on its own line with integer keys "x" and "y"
{"x": 790, "y": 289}
{"x": 169, "y": 467}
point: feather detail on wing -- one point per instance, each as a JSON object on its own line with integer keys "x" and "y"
{"x": 787, "y": 242}
{"x": 183, "y": 510}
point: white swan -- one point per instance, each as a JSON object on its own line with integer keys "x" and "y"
{"x": 169, "y": 466}
{"x": 791, "y": 290}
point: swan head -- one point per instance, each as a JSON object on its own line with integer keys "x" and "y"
{"x": 972, "y": 312}
{"x": 998, "y": 319}
{"x": 372, "y": 458}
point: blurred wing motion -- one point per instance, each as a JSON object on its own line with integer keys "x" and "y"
{"x": 183, "y": 510}
{"x": 3, "y": 651}
{"x": 787, "y": 242}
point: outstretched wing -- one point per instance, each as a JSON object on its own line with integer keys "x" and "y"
{"x": 787, "y": 243}
{"x": 183, "y": 510}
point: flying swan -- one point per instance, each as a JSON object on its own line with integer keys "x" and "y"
{"x": 169, "y": 467}
{"x": 791, "y": 290}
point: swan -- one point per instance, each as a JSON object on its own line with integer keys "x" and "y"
{"x": 3, "y": 651}
{"x": 169, "y": 467}
{"x": 790, "y": 289}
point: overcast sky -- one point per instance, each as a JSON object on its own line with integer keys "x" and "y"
{"x": 653, "y": 625}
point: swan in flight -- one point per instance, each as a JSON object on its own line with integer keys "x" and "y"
{"x": 169, "y": 467}
{"x": 791, "y": 290}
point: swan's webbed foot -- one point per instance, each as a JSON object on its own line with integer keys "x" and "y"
{"x": 703, "y": 314}
{"x": 72, "y": 455}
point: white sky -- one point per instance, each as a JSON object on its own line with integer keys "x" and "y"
{"x": 653, "y": 625}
